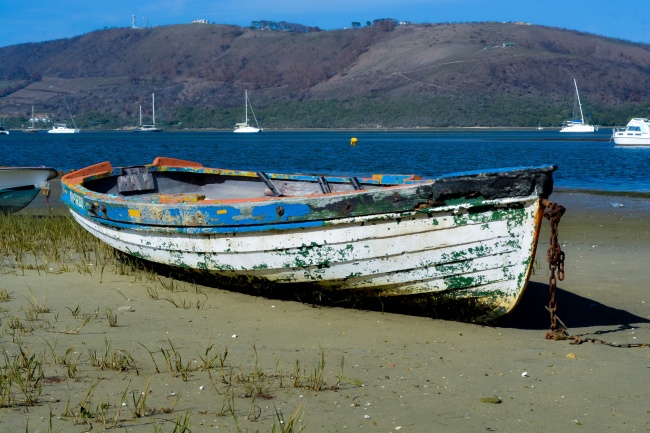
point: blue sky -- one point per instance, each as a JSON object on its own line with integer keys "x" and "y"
{"x": 33, "y": 21}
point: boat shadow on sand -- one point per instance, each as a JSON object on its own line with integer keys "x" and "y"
{"x": 574, "y": 310}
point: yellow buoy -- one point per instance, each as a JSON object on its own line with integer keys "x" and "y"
{"x": 353, "y": 141}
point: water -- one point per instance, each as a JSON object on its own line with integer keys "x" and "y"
{"x": 585, "y": 161}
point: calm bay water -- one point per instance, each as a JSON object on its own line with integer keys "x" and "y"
{"x": 585, "y": 161}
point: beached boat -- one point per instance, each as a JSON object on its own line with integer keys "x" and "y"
{"x": 152, "y": 127}
{"x": 20, "y": 185}
{"x": 636, "y": 133}
{"x": 463, "y": 238}
{"x": 245, "y": 127}
{"x": 577, "y": 124}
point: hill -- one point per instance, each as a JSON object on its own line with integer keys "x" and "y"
{"x": 379, "y": 76}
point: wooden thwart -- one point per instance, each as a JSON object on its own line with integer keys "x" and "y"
{"x": 265, "y": 178}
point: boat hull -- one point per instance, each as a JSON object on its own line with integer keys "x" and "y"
{"x": 14, "y": 199}
{"x": 578, "y": 128}
{"x": 63, "y": 131}
{"x": 247, "y": 130}
{"x": 20, "y": 185}
{"x": 632, "y": 141}
{"x": 407, "y": 241}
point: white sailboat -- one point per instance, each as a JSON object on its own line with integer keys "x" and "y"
{"x": 31, "y": 128}
{"x": 577, "y": 124}
{"x": 152, "y": 127}
{"x": 245, "y": 127}
{"x": 62, "y": 128}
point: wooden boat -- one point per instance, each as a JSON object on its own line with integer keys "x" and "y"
{"x": 20, "y": 185}
{"x": 463, "y": 238}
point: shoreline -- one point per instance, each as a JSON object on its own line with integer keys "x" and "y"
{"x": 392, "y": 129}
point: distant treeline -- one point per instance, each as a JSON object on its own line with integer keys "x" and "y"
{"x": 370, "y": 113}
{"x": 283, "y": 26}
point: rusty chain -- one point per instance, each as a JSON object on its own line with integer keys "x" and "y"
{"x": 46, "y": 192}
{"x": 575, "y": 339}
{"x": 555, "y": 256}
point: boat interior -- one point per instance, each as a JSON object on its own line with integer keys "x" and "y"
{"x": 210, "y": 184}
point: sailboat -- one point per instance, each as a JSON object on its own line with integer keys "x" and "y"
{"x": 62, "y": 128}
{"x": 577, "y": 124}
{"x": 152, "y": 127}
{"x": 245, "y": 127}
{"x": 31, "y": 128}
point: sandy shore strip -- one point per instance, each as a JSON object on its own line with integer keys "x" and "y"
{"x": 142, "y": 353}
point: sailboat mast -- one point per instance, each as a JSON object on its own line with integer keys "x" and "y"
{"x": 140, "y": 124}
{"x": 153, "y": 109}
{"x": 32, "y": 117}
{"x": 582, "y": 117}
{"x": 69, "y": 112}
{"x": 246, "y": 104}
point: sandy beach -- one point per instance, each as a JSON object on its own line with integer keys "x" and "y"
{"x": 143, "y": 353}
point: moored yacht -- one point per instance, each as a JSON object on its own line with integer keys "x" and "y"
{"x": 636, "y": 133}
{"x": 151, "y": 127}
{"x": 62, "y": 128}
{"x": 577, "y": 124}
{"x": 244, "y": 126}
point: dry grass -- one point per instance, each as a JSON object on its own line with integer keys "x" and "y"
{"x": 31, "y": 363}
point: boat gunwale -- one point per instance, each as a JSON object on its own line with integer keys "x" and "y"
{"x": 161, "y": 164}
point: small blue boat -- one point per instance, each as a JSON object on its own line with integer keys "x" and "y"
{"x": 20, "y": 185}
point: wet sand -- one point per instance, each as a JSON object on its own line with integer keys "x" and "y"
{"x": 381, "y": 372}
